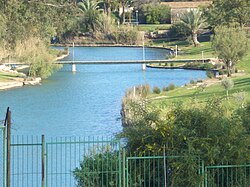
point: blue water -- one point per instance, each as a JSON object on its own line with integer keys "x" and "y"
{"x": 88, "y": 102}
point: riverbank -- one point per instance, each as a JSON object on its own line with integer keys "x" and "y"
{"x": 10, "y": 79}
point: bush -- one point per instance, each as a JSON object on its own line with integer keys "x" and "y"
{"x": 192, "y": 81}
{"x": 165, "y": 89}
{"x": 172, "y": 64}
{"x": 93, "y": 167}
{"x": 171, "y": 86}
{"x": 156, "y": 90}
{"x": 228, "y": 84}
{"x": 210, "y": 74}
{"x": 179, "y": 30}
{"x": 154, "y": 14}
{"x": 125, "y": 35}
{"x": 222, "y": 72}
{"x": 199, "y": 80}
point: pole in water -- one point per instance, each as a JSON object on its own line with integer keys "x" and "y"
{"x": 73, "y": 58}
{"x": 143, "y": 54}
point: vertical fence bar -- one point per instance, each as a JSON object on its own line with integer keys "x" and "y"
{"x": 4, "y": 157}
{"x": 43, "y": 146}
{"x": 8, "y": 146}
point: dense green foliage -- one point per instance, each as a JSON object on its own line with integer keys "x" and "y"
{"x": 225, "y": 12}
{"x": 231, "y": 44}
{"x": 193, "y": 21}
{"x": 154, "y": 14}
{"x": 30, "y": 26}
{"x": 209, "y": 131}
{"x": 98, "y": 169}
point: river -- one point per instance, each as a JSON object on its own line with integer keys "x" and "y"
{"x": 88, "y": 102}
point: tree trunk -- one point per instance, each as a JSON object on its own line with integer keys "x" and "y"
{"x": 123, "y": 13}
{"x": 194, "y": 38}
{"x": 229, "y": 68}
{"x": 109, "y": 7}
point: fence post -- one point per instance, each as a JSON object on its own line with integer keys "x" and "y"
{"x": 123, "y": 167}
{"x": 42, "y": 160}
{"x": 8, "y": 115}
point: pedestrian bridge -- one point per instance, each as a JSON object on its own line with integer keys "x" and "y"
{"x": 143, "y": 62}
{"x": 133, "y": 61}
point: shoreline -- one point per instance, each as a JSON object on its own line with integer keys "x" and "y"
{"x": 13, "y": 83}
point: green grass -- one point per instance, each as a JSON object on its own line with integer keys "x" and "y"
{"x": 4, "y": 76}
{"x": 153, "y": 27}
{"x": 186, "y": 93}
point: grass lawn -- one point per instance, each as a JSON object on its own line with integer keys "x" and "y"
{"x": 186, "y": 93}
{"x": 152, "y": 27}
{"x": 4, "y": 76}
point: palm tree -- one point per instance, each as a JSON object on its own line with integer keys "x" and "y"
{"x": 90, "y": 10}
{"x": 124, "y": 4}
{"x": 194, "y": 21}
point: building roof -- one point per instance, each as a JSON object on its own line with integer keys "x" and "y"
{"x": 196, "y": 4}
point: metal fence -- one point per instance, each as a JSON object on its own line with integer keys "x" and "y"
{"x": 2, "y": 156}
{"x": 26, "y": 161}
{"x": 103, "y": 162}
{"x": 99, "y": 158}
{"x": 227, "y": 176}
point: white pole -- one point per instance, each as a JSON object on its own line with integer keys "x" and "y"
{"x": 73, "y": 58}
{"x": 143, "y": 54}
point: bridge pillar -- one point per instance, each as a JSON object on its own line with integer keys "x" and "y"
{"x": 143, "y": 66}
{"x": 73, "y": 67}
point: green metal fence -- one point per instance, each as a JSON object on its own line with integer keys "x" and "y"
{"x": 227, "y": 176}
{"x": 2, "y": 156}
{"x": 103, "y": 162}
{"x": 26, "y": 161}
{"x": 100, "y": 160}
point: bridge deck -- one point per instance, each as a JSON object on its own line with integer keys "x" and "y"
{"x": 122, "y": 61}
{"x": 133, "y": 61}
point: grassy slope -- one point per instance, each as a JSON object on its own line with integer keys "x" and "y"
{"x": 242, "y": 83}
{"x": 4, "y": 76}
{"x": 152, "y": 27}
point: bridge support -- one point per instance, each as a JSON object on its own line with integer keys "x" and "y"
{"x": 143, "y": 66}
{"x": 73, "y": 67}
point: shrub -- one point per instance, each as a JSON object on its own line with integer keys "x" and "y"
{"x": 228, "y": 84}
{"x": 91, "y": 171}
{"x": 199, "y": 80}
{"x": 125, "y": 35}
{"x": 179, "y": 30}
{"x": 172, "y": 64}
{"x": 222, "y": 72}
{"x": 165, "y": 89}
{"x": 210, "y": 74}
{"x": 192, "y": 81}
{"x": 171, "y": 86}
{"x": 156, "y": 90}
{"x": 154, "y": 14}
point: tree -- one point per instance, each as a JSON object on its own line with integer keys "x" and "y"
{"x": 228, "y": 84}
{"x": 124, "y": 4}
{"x": 231, "y": 44}
{"x": 225, "y": 12}
{"x": 193, "y": 21}
{"x": 90, "y": 10}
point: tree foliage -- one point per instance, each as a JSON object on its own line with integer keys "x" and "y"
{"x": 154, "y": 13}
{"x": 207, "y": 131}
{"x": 91, "y": 13}
{"x": 226, "y": 12}
{"x": 231, "y": 44}
{"x": 193, "y": 21}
